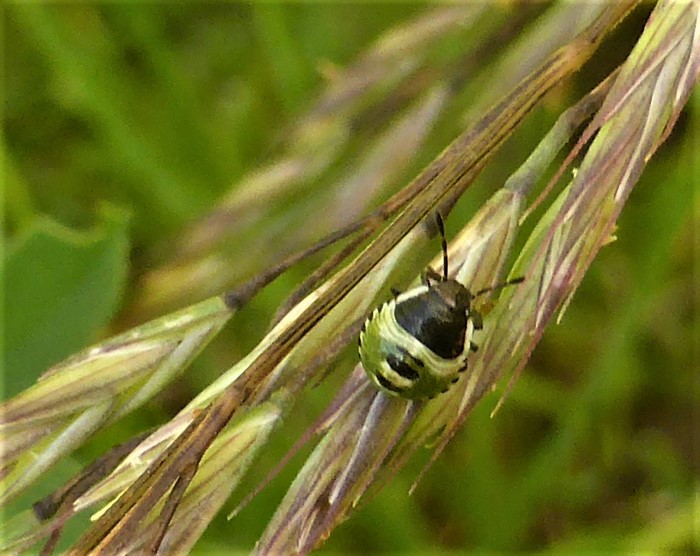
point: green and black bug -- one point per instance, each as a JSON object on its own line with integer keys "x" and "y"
{"x": 416, "y": 344}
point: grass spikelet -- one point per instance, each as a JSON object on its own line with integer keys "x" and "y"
{"x": 91, "y": 389}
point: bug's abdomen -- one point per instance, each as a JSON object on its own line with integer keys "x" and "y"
{"x": 404, "y": 360}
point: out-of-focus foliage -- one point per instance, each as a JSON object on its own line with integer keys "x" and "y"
{"x": 159, "y": 110}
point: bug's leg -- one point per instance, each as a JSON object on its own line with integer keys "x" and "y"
{"x": 395, "y": 292}
{"x": 477, "y": 320}
{"x": 473, "y": 347}
{"x": 429, "y": 274}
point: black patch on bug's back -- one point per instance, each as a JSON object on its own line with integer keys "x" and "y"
{"x": 434, "y": 323}
{"x": 401, "y": 366}
{"x": 387, "y": 384}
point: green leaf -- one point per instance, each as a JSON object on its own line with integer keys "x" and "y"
{"x": 61, "y": 287}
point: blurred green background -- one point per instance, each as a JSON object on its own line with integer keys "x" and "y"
{"x": 125, "y": 123}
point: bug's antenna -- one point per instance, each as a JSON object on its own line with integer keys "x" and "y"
{"x": 501, "y": 285}
{"x": 441, "y": 229}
